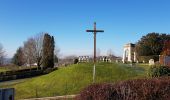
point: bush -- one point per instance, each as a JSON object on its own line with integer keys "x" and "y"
{"x": 49, "y": 70}
{"x": 158, "y": 71}
{"x": 140, "y": 89}
{"x": 76, "y": 61}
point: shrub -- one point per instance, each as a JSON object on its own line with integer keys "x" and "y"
{"x": 158, "y": 71}
{"x": 139, "y": 89}
{"x": 49, "y": 70}
{"x": 76, "y": 61}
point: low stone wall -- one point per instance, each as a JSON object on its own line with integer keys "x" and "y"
{"x": 25, "y": 73}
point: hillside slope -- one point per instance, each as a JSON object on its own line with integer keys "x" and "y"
{"x": 72, "y": 79}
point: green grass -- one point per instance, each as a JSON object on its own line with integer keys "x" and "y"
{"x": 72, "y": 79}
{"x": 3, "y": 69}
{"x": 144, "y": 67}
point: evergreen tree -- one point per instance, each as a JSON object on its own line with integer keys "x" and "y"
{"x": 18, "y": 58}
{"x": 48, "y": 51}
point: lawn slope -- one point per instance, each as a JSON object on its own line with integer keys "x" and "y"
{"x": 2, "y": 69}
{"x": 72, "y": 79}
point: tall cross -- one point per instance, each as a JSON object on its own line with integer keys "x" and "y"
{"x": 94, "y": 32}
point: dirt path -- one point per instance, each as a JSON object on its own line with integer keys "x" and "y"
{"x": 65, "y": 97}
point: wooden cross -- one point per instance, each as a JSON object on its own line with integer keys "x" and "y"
{"x": 94, "y": 32}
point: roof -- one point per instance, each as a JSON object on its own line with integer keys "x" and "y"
{"x": 130, "y": 44}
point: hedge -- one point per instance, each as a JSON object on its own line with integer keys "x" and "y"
{"x": 139, "y": 89}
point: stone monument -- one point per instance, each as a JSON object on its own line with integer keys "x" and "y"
{"x": 129, "y": 54}
{"x": 151, "y": 62}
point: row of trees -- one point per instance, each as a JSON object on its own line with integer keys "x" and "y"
{"x": 39, "y": 50}
{"x": 152, "y": 44}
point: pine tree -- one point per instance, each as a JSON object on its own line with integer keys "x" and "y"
{"x": 48, "y": 51}
{"x": 18, "y": 58}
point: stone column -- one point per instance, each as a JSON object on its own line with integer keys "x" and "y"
{"x": 124, "y": 55}
{"x": 134, "y": 56}
{"x": 129, "y": 55}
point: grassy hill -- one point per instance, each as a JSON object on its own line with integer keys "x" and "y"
{"x": 72, "y": 79}
{"x": 2, "y": 69}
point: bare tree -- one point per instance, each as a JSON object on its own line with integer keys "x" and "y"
{"x": 29, "y": 51}
{"x": 33, "y": 50}
{"x": 39, "y": 40}
{"x": 38, "y": 49}
{"x": 110, "y": 53}
{"x": 2, "y": 54}
{"x": 56, "y": 55}
{"x": 56, "y": 51}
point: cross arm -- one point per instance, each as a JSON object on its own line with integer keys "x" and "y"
{"x": 94, "y": 30}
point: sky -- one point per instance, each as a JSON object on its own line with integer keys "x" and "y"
{"x": 124, "y": 21}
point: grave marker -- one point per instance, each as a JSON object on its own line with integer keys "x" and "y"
{"x": 151, "y": 62}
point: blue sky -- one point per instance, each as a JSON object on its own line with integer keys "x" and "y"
{"x": 124, "y": 21}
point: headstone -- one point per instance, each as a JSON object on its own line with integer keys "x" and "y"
{"x": 79, "y": 59}
{"x": 143, "y": 61}
{"x": 87, "y": 58}
{"x": 109, "y": 60}
{"x": 137, "y": 61}
{"x": 151, "y": 62}
{"x": 7, "y": 94}
{"x": 103, "y": 59}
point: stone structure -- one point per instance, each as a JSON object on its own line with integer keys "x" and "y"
{"x": 151, "y": 62}
{"x": 90, "y": 59}
{"x": 84, "y": 58}
{"x": 129, "y": 54}
{"x": 104, "y": 59}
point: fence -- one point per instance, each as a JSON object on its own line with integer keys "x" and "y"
{"x": 164, "y": 60}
